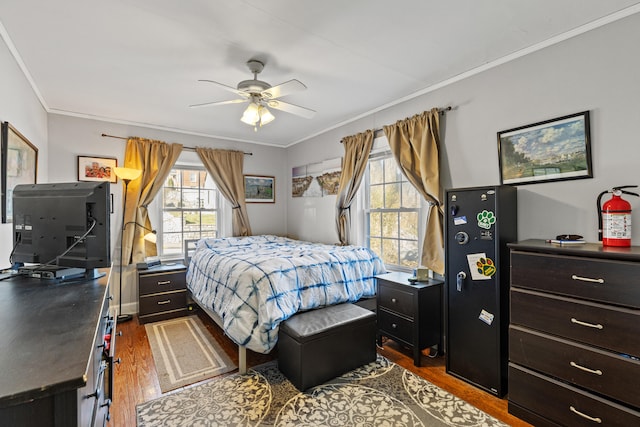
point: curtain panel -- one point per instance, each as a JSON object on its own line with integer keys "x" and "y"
{"x": 354, "y": 163}
{"x": 415, "y": 143}
{"x": 155, "y": 159}
{"x": 226, "y": 169}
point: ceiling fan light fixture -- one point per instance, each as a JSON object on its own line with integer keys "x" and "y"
{"x": 265, "y": 116}
{"x": 251, "y": 115}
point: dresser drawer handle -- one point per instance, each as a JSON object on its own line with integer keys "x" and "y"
{"x": 591, "y": 371}
{"x": 591, "y": 325}
{"x": 165, "y": 282}
{"x": 575, "y": 411}
{"x": 587, "y": 279}
{"x": 393, "y": 300}
{"x": 164, "y": 302}
{"x": 394, "y": 326}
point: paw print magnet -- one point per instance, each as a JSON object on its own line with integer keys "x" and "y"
{"x": 486, "y": 219}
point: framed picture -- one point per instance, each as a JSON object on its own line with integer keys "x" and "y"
{"x": 553, "y": 150}
{"x": 97, "y": 169}
{"x": 19, "y": 166}
{"x": 259, "y": 189}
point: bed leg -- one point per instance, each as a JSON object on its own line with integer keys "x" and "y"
{"x": 242, "y": 359}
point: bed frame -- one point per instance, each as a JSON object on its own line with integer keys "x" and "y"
{"x": 189, "y": 248}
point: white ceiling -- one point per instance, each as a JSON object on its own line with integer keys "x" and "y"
{"x": 139, "y": 61}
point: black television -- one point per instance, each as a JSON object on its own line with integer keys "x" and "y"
{"x": 62, "y": 229}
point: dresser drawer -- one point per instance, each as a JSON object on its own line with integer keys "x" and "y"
{"x": 606, "y": 327}
{"x": 395, "y": 325}
{"x": 564, "y": 404}
{"x": 599, "y": 371}
{"x": 395, "y": 300}
{"x": 163, "y": 302}
{"x": 161, "y": 282}
{"x": 608, "y": 281}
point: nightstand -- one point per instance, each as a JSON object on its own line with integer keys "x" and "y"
{"x": 410, "y": 312}
{"x": 162, "y": 292}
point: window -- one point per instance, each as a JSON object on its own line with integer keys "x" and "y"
{"x": 393, "y": 213}
{"x": 190, "y": 209}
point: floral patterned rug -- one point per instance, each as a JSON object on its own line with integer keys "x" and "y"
{"x": 378, "y": 394}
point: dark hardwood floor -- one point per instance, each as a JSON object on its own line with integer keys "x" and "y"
{"x": 135, "y": 378}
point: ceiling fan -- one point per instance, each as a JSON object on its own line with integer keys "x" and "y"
{"x": 261, "y": 95}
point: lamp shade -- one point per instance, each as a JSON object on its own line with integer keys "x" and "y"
{"x": 265, "y": 116}
{"x": 251, "y": 115}
{"x": 151, "y": 237}
{"x": 127, "y": 174}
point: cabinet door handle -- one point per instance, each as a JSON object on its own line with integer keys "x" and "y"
{"x": 587, "y": 279}
{"x": 590, "y": 325}
{"x": 575, "y": 411}
{"x": 591, "y": 371}
{"x": 164, "y": 302}
{"x": 165, "y": 282}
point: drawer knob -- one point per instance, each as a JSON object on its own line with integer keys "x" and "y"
{"x": 587, "y": 279}
{"x": 582, "y": 368}
{"x": 393, "y": 300}
{"x": 583, "y": 415}
{"x": 394, "y": 326}
{"x": 590, "y": 325}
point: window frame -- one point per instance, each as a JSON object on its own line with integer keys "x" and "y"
{"x": 158, "y": 208}
{"x": 421, "y": 211}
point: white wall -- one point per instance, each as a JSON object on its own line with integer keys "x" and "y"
{"x": 20, "y": 106}
{"x": 596, "y": 71}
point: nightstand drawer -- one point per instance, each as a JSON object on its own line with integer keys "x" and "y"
{"x": 161, "y": 282}
{"x": 163, "y": 302}
{"x": 395, "y": 299}
{"x": 396, "y": 326}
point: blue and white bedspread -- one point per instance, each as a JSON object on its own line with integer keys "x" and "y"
{"x": 254, "y": 283}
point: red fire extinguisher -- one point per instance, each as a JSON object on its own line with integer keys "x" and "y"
{"x": 614, "y": 218}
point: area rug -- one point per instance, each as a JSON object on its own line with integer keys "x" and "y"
{"x": 378, "y": 394}
{"x": 184, "y": 352}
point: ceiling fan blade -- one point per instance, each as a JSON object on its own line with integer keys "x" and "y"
{"x": 229, "y": 88}
{"x": 211, "y": 104}
{"x": 283, "y": 89}
{"x": 291, "y": 108}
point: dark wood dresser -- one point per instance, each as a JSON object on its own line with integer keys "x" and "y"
{"x": 57, "y": 341}
{"x": 162, "y": 292}
{"x": 574, "y": 335}
{"x": 410, "y": 313}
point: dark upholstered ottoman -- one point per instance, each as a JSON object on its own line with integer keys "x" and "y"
{"x": 318, "y": 345}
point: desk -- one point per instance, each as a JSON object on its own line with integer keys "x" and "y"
{"x": 55, "y": 369}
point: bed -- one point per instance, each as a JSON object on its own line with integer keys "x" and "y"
{"x": 249, "y": 285}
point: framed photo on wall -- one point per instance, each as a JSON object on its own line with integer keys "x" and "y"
{"x": 19, "y": 166}
{"x": 259, "y": 189}
{"x": 97, "y": 169}
{"x": 553, "y": 150}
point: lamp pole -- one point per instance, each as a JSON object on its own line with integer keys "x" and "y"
{"x": 127, "y": 175}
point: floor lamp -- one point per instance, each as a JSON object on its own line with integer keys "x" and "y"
{"x": 126, "y": 175}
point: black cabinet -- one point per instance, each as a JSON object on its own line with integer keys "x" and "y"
{"x": 574, "y": 351}
{"x": 162, "y": 292}
{"x": 410, "y": 312}
{"x": 480, "y": 222}
{"x": 56, "y": 352}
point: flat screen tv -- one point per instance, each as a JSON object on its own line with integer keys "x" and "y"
{"x": 62, "y": 225}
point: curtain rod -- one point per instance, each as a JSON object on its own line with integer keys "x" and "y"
{"x": 183, "y": 147}
{"x": 380, "y": 132}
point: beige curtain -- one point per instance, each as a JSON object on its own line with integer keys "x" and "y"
{"x": 354, "y": 163}
{"x": 414, "y": 143}
{"x": 155, "y": 159}
{"x": 226, "y": 169}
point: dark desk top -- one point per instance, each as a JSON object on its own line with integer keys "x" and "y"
{"x": 595, "y": 250}
{"x": 47, "y": 331}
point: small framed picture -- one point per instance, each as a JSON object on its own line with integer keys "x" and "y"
{"x": 553, "y": 150}
{"x": 259, "y": 189}
{"x": 97, "y": 169}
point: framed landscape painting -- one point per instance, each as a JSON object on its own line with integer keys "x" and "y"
{"x": 553, "y": 150}
{"x": 259, "y": 189}
{"x": 19, "y": 166}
